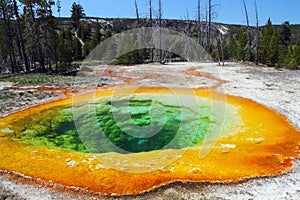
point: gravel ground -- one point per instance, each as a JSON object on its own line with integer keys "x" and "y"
{"x": 279, "y": 90}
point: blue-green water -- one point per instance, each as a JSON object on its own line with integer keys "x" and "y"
{"x": 102, "y": 126}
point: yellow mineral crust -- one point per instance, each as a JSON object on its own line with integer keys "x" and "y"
{"x": 265, "y": 145}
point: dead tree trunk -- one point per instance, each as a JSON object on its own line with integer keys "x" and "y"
{"x": 187, "y": 31}
{"x": 160, "y": 26}
{"x": 151, "y": 24}
{"x": 209, "y": 26}
{"x": 137, "y": 13}
{"x": 199, "y": 23}
{"x": 150, "y": 12}
{"x": 256, "y": 35}
{"x": 248, "y": 32}
{"x": 220, "y": 44}
{"x": 222, "y": 51}
{"x": 58, "y": 4}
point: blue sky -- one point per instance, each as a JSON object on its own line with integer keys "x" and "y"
{"x": 229, "y": 11}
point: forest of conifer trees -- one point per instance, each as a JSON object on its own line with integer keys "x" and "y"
{"x": 33, "y": 39}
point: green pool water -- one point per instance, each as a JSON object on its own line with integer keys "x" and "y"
{"x": 138, "y": 124}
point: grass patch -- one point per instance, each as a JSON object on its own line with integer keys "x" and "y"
{"x": 36, "y": 79}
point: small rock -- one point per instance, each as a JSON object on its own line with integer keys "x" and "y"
{"x": 71, "y": 163}
{"x": 195, "y": 170}
{"x": 59, "y": 187}
{"x": 161, "y": 169}
{"x": 171, "y": 169}
{"x": 92, "y": 158}
{"x": 100, "y": 166}
{"x": 225, "y": 151}
{"x": 137, "y": 165}
{"x": 228, "y": 146}
{"x": 33, "y": 152}
{"x": 172, "y": 194}
{"x": 123, "y": 169}
{"x": 178, "y": 156}
{"x": 259, "y": 140}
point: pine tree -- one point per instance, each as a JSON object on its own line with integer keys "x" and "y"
{"x": 285, "y": 34}
{"x": 77, "y": 13}
{"x": 269, "y": 39}
{"x": 86, "y": 49}
{"x": 283, "y": 57}
{"x": 297, "y": 50}
{"x": 36, "y": 15}
{"x": 80, "y": 31}
{"x": 20, "y": 37}
{"x": 96, "y": 39}
{"x": 241, "y": 45}
{"x": 272, "y": 58}
{"x": 286, "y": 57}
{"x": 293, "y": 56}
{"x": 77, "y": 49}
{"x": 64, "y": 51}
{"x": 6, "y": 16}
{"x": 84, "y": 32}
{"x": 48, "y": 34}
{"x": 230, "y": 48}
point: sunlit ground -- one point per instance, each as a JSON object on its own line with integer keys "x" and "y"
{"x": 206, "y": 137}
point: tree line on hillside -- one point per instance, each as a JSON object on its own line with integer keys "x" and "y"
{"x": 32, "y": 39}
{"x": 276, "y": 49}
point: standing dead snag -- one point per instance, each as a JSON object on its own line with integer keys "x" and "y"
{"x": 137, "y": 13}
{"x": 199, "y": 23}
{"x": 58, "y": 4}
{"x": 209, "y": 26}
{"x": 160, "y": 26}
{"x": 256, "y": 35}
{"x": 248, "y": 32}
{"x": 151, "y": 24}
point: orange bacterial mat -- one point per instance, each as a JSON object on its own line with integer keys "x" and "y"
{"x": 264, "y": 144}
